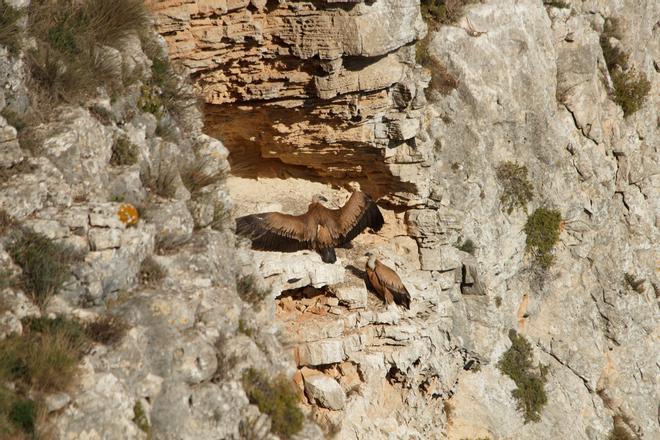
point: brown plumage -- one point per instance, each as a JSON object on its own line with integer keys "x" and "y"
{"x": 320, "y": 228}
{"x": 386, "y": 283}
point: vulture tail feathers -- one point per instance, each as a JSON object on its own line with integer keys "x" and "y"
{"x": 402, "y": 298}
{"x": 255, "y": 228}
{"x": 328, "y": 255}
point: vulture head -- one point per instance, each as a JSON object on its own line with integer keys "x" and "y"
{"x": 318, "y": 198}
{"x": 372, "y": 260}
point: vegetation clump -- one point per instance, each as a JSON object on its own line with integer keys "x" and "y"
{"x": 141, "y": 420}
{"x": 44, "y": 359}
{"x": 468, "y": 246}
{"x": 542, "y": 229}
{"x": 630, "y": 90}
{"x": 106, "y": 330}
{"x": 10, "y": 31}
{"x": 124, "y": 152}
{"x": 250, "y": 291}
{"x": 630, "y": 87}
{"x": 45, "y": 264}
{"x": 516, "y": 363}
{"x": 196, "y": 176}
{"x": 161, "y": 178}
{"x": 442, "y": 12}
{"x": 275, "y": 397}
{"x": 517, "y": 189}
{"x": 67, "y": 63}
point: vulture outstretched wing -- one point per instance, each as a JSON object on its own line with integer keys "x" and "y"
{"x": 391, "y": 281}
{"x": 359, "y": 213}
{"x": 274, "y": 231}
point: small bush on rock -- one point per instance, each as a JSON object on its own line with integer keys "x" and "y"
{"x": 517, "y": 190}
{"x": 151, "y": 272}
{"x": 542, "y": 229}
{"x": 275, "y": 397}
{"x": 124, "y": 152}
{"x": 516, "y": 363}
{"x": 467, "y": 246}
{"x": 141, "y": 420}
{"x": 45, "y": 264}
{"x": 630, "y": 90}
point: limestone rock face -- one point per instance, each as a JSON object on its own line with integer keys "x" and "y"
{"x": 336, "y": 76}
{"x": 532, "y": 87}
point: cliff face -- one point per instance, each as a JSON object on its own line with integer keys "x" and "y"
{"x": 327, "y": 93}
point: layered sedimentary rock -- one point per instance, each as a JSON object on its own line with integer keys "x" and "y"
{"x": 293, "y": 98}
{"x": 329, "y": 89}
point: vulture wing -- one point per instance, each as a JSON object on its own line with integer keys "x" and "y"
{"x": 359, "y": 213}
{"x": 275, "y": 231}
{"x": 391, "y": 281}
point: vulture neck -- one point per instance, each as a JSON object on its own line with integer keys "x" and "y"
{"x": 372, "y": 262}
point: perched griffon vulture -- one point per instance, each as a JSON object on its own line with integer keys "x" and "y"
{"x": 320, "y": 228}
{"x": 386, "y": 282}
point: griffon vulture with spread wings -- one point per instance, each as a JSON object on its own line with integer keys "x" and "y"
{"x": 320, "y": 228}
{"x": 386, "y": 282}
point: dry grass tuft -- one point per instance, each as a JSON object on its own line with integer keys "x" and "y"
{"x": 45, "y": 264}
{"x": 124, "y": 152}
{"x": 196, "y": 176}
{"x": 10, "y": 31}
{"x": 250, "y": 291}
{"x": 161, "y": 178}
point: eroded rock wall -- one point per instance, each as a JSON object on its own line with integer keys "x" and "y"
{"x": 329, "y": 91}
{"x": 292, "y": 97}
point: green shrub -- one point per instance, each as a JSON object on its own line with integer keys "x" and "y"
{"x": 277, "y": 398}
{"x": 250, "y": 291}
{"x": 23, "y": 414}
{"x": 45, "y": 264}
{"x": 516, "y": 363}
{"x": 141, "y": 420}
{"x": 542, "y": 229}
{"x": 10, "y": 31}
{"x": 124, "y": 152}
{"x": 630, "y": 90}
{"x": 517, "y": 190}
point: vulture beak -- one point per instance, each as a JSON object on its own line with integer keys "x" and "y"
{"x": 323, "y": 199}
{"x": 368, "y": 254}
